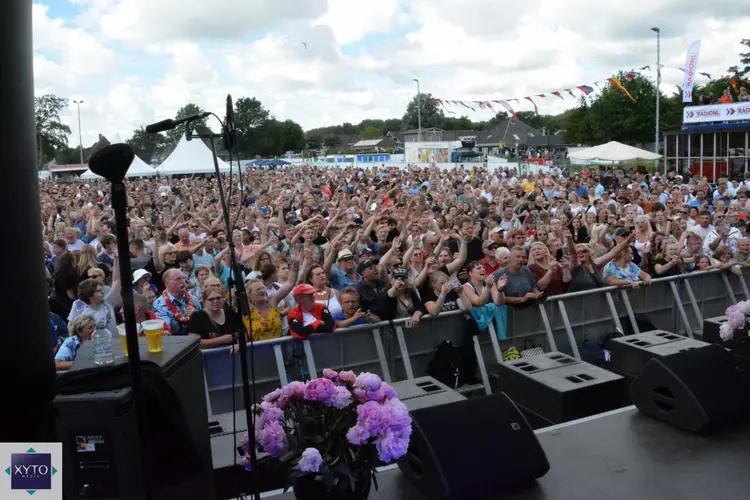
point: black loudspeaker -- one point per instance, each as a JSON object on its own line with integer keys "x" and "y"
{"x": 629, "y": 355}
{"x": 472, "y": 448}
{"x": 696, "y": 390}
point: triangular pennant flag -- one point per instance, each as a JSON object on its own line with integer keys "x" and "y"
{"x": 709, "y": 76}
{"x": 558, "y": 94}
{"x": 571, "y": 93}
{"x": 528, "y": 98}
{"x": 514, "y": 100}
{"x": 507, "y": 107}
{"x": 585, "y": 89}
{"x": 616, "y": 84}
{"x": 596, "y": 84}
{"x": 646, "y": 67}
{"x": 541, "y": 95}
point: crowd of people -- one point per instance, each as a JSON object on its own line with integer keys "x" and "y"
{"x": 325, "y": 249}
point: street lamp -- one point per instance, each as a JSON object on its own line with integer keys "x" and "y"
{"x": 658, "y": 83}
{"x": 419, "y": 114}
{"x": 80, "y": 138}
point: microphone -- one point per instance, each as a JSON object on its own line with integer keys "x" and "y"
{"x": 169, "y": 124}
{"x": 230, "y": 134}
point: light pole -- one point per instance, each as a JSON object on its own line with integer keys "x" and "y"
{"x": 80, "y": 138}
{"x": 419, "y": 114}
{"x": 658, "y": 84}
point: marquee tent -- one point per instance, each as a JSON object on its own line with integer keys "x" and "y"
{"x": 139, "y": 168}
{"x": 613, "y": 151}
{"x": 191, "y": 157}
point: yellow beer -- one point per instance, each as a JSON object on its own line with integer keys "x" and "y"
{"x": 154, "y": 329}
{"x": 124, "y": 338}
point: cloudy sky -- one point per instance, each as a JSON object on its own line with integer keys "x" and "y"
{"x": 323, "y": 62}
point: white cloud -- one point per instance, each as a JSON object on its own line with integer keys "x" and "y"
{"x": 317, "y": 63}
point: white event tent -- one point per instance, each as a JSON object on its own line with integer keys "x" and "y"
{"x": 139, "y": 168}
{"x": 613, "y": 151}
{"x": 191, "y": 157}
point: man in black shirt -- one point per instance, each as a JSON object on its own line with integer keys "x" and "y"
{"x": 474, "y": 249}
{"x": 370, "y": 286}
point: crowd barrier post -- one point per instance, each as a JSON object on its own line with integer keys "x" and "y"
{"x": 681, "y": 309}
{"x": 495, "y": 343}
{"x": 613, "y": 311}
{"x": 547, "y": 328}
{"x": 381, "y": 354}
{"x": 693, "y": 302}
{"x": 629, "y": 310}
{"x": 730, "y": 290}
{"x": 311, "y": 368}
{"x": 280, "y": 365}
{"x": 404, "y": 352}
{"x": 568, "y": 330}
{"x": 744, "y": 287}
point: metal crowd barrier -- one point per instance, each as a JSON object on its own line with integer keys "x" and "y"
{"x": 677, "y": 304}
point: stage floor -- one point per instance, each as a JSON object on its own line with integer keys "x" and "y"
{"x": 620, "y": 455}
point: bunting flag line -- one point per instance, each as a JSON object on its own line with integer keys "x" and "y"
{"x": 616, "y": 84}
{"x": 586, "y": 90}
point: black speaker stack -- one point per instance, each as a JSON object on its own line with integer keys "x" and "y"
{"x": 553, "y": 387}
{"x": 631, "y": 353}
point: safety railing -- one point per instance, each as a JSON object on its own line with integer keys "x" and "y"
{"x": 677, "y": 304}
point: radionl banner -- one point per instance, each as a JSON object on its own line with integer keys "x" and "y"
{"x": 691, "y": 70}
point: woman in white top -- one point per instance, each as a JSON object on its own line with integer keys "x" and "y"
{"x": 324, "y": 294}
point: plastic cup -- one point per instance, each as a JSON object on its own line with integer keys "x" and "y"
{"x": 124, "y": 338}
{"x": 154, "y": 329}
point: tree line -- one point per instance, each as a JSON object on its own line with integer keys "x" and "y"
{"x": 608, "y": 115}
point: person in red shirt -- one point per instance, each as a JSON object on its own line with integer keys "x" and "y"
{"x": 309, "y": 316}
{"x": 489, "y": 262}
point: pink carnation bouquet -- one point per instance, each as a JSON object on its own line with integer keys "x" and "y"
{"x": 333, "y": 428}
{"x": 736, "y": 320}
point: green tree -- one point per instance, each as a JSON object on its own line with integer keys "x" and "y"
{"x": 392, "y": 125}
{"x": 176, "y": 134}
{"x": 68, "y": 156}
{"x": 332, "y": 141}
{"x": 496, "y": 120}
{"x": 432, "y": 113}
{"x": 51, "y": 133}
{"x": 249, "y": 117}
{"x": 293, "y": 137}
{"x": 147, "y": 146}
{"x": 371, "y": 132}
{"x": 576, "y": 124}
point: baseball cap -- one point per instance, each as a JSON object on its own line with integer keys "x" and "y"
{"x": 497, "y": 229}
{"x": 366, "y": 251}
{"x": 621, "y": 233}
{"x": 140, "y": 273}
{"x": 344, "y": 254}
{"x": 303, "y": 289}
{"x": 365, "y": 265}
{"x": 399, "y": 272}
{"x": 488, "y": 243}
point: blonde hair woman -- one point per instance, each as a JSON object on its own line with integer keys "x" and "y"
{"x": 551, "y": 276}
{"x": 643, "y": 233}
{"x": 81, "y": 329}
{"x": 599, "y": 242}
{"x": 87, "y": 259}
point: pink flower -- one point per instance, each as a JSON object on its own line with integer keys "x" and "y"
{"x": 273, "y": 439}
{"x": 272, "y": 415}
{"x": 368, "y": 381}
{"x": 726, "y": 332}
{"x": 730, "y": 310}
{"x": 357, "y": 435}
{"x": 341, "y": 398}
{"x": 736, "y": 320}
{"x": 372, "y": 417}
{"x": 330, "y": 374}
{"x": 347, "y": 377}
{"x": 391, "y": 447}
{"x": 320, "y": 389}
{"x": 744, "y": 307}
{"x": 293, "y": 390}
{"x": 310, "y": 461}
{"x": 272, "y": 396}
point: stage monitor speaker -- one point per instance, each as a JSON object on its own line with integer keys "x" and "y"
{"x": 98, "y": 428}
{"x": 696, "y": 390}
{"x": 472, "y": 448}
{"x": 630, "y": 354}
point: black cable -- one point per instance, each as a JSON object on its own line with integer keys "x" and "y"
{"x": 248, "y": 386}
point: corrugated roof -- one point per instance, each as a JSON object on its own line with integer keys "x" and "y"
{"x": 367, "y": 143}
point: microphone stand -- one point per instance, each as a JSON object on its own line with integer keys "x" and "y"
{"x": 243, "y": 306}
{"x": 120, "y": 207}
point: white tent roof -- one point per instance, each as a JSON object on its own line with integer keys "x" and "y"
{"x": 139, "y": 168}
{"x": 191, "y": 157}
{"x": 614, "y": 151}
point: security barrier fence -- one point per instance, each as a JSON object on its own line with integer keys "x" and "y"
{"x": 561, "y": 323}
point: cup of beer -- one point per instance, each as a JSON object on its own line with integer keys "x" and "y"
{"x": 123, "y": 336}
{"x": 154, "y": 329}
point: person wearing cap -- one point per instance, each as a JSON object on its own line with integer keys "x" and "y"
{"x": 489, "y": 263}
{"x": 401, "y": 300}
{"x": 623, "y": 234}
{"x": 309, "y": 316}
{"x": 344, "y": 273}
{"x": 142, "y": 280}
{"x": 370, "y": 287}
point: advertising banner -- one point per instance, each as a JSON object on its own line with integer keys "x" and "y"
{"x": 732, "y": 112}
{"x": 691, "y": 70}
